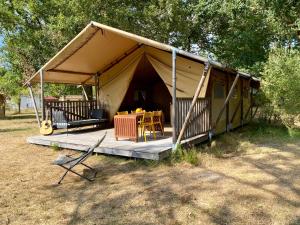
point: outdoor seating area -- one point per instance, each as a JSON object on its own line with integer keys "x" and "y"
{"x": 60, "y": 121}
{"x": 129, "y": 126}
{"x": 75, "y": 114}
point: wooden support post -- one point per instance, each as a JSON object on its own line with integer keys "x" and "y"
{"x": 34, "y": 105}
{"x": 228, "y": 124}
{"x": 197, "y": 92}
{"x": 235, "y": 111}
{"x": 210, "y": 133}
{"x": 250, "y": 109}
{"x": 42, "y": 93}
{"x": 242, "y": 103}
{"x": 251, "y": 101}
{"x": 173, "y": 119}
{"x": 255, "y": 111}
{"x": 247, "y": 113}
{"x": 97, "y": 90}
{"x": 84, "y": 93}
{"x": 226, "y": 100}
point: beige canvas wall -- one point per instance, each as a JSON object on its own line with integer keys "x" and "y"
{"x": 217, "y": 103}
{"x": 115, "y": 82}
{"x": 235, "y": 103}
{"x": 246, "y": 99}
{"x": 188, "y": 72}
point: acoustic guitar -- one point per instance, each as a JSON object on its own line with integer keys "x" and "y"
{"x": 46, "y": 126}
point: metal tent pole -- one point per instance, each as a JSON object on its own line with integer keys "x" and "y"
{"x": 97, "y": 90}
{"x": 197, "y": 92}
{"x": 174, "y": 125}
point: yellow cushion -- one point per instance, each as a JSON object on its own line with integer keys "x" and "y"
{"x": 139, "y": 110}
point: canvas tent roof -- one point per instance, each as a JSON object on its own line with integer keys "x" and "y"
{"x": 98, "y": 48}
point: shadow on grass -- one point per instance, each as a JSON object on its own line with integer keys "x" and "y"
{"x": 259, "y": 133}
{"x": 295, "y": 221}
{"x": 113, "y": 199}
{"x": 19, "y": 117}
{"x": 6, "y": 130}
{"x": 162, "y": 202}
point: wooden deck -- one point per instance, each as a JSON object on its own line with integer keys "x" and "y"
{"x": 81, "y": 140}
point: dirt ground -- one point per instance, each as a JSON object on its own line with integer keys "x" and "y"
{"x": 259, "y": 186}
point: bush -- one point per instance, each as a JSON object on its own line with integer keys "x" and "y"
{"x": 281, "y": 84}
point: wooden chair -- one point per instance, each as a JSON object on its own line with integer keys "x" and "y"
{"x": 122, "y": 113}
{"x": 139, "y": 119}
{"x": 157, "y": 120}
{"x": 147, "y": 123}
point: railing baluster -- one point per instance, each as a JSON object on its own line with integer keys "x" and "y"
{"x": 74, "y": 110}
{"x": 200, "y": 118}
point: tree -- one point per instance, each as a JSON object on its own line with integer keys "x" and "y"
{"x": 281, "y": 83}
{"x": 239, "y": 34}
{"x": 10, "y": 87}
{"x": 59, "y": 90}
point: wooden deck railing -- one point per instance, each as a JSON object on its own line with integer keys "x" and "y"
{"x": 74, "y": 110}
{"x": 199, "y": 122}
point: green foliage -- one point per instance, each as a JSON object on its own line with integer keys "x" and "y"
{"x": 240, "y": 33}
{"x": 237, "y": 33}
{"x": 59, "y": 90}
{"x": 185, "y": 155}
{"x": 10, "y": 85}
{"x": 281, "y": 83}
{"x": 294, "y": 132}
{"x": 260, "y": 131}
{"x": 55, "y": 147}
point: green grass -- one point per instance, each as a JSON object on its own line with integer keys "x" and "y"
{"x": 294, "y": 133}
{"x": 225, "y": 145}
{"x": 55, "y": 147}
{"x": 262, "y": 131}
{"x": 231, "y": 144}
{"x": 181, "y": 154}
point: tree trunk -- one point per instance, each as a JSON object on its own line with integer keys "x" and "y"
{"x": 2, "y": 106}
{"x": 19, "y": 105}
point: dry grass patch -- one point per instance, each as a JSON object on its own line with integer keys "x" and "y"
{"x": 256, "y": 183}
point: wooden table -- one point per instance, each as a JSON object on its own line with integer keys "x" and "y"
{"x": 126, "y": 126}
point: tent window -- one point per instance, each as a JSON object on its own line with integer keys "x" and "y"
{"x": 219, "y": 90}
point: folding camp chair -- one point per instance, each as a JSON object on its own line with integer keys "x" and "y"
{"x": 68, "y": 163}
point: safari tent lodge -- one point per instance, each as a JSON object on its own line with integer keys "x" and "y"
{"x": 197, "y": 98}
